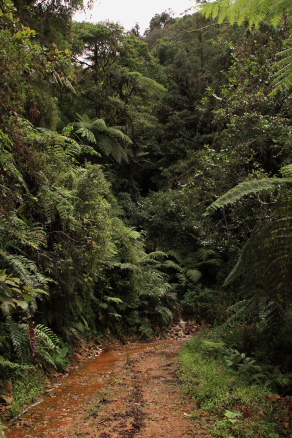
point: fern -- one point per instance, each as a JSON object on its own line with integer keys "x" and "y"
{"x": 109, "y": 140}
{"x": 13, "y": 365}
{"x": 147, "y": 85}
{"x": 164, "y": 313}
{"x": 283, "y": 75}
{"x": 243, "y": 189}
{"x": 193, "y": 274}
{"x": 26, "y": 269}
{"x": 7, "y": 163}
{"x": 265, "y": 265}
{"x": 19, "y": 338}
{"x": 114, "y": 300}
{"x": 111, "y": 148}
{"x": 256, "y": 12}
{"x": 47, "y": 337}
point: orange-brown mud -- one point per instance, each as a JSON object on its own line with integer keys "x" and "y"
{"x": 131, "y": 391}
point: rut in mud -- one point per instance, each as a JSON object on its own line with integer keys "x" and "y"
{"x": 130, "y": 391}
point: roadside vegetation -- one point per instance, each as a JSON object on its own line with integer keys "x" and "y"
{"x": 239, "y": 394}
{"x": 143, "y": 179}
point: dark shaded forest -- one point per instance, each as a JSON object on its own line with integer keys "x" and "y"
{"x": 144, "y": 179}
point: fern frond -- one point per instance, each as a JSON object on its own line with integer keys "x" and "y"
{"x": 129, "y": 266}
{"x": 26, "y": 269}
{"x": 98, "y": 126}
{"x": 286, "y": 171}
{"x": 111, "y": 148}
{"x": 29, "y": 233}
{"x": 45, "y": 358}
{"x": 7, "y": 162}
{"x": 253, "y": 11}
{"x": 155, "y": 255}
{"x": 47, "y": 337}
{"x": 243, "y": 189}
{"x": 148, "y": 85}
{"x": 63, "y": 81}
{"x": 283, "y": 75}
{"x": 85, "y": 149}
{"x": 265, "y": 267}
{"x": 204, "y": 253}
{"x": 193, "y": 274}
{"x": 87, "y": 133}
{"x": 257, "y": 12}
{"x": 19, "y": 338}
{"x": 14, "y": 365}
{"x": 164, "y": 313}
{"x": 172, "y": 264}
{"x": 114, "y": 300}
{"x": 182, "y": 278}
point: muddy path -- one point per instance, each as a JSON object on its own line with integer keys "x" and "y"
{"x": 129, "y": 391}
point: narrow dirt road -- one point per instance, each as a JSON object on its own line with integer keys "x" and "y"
{"x": 137, "y": 394}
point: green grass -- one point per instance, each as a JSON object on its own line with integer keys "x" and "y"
{"x": 27, "y": 387}
{"x": 241, "y": 409}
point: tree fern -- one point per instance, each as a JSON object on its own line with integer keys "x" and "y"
{"x": 256, "y": 12}
{"x": 111, "y": 148}
{"x": 246, "y": 188}
{"x": 147, "y": 85}
{"x": 283, "y": 69}
{"x": 264, "y": 268}
{"x": 111, "y": 141}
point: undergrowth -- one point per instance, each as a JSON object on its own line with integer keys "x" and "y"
{"x": 27, "y": 387}
{"x": 242, "y": 409}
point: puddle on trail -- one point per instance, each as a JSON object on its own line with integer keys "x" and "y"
{"x": 57, "y": 411}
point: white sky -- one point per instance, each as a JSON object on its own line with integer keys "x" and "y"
{"x": 129, "y": 12}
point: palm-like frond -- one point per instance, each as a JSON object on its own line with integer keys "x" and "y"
{"x": 193, "y": 274}
{"x": 256, "y": 12}
{"x": 246, "y": 188}
{"x": 47, "y": 337}
{"x": 14, "y": 365}
{"x": 283, "y": 75}
{"x": 111, "y": 148}
{"x": 145, "y": 84}
{"x": 110, "y": 140}
{"x": 98, "y": 126}
{"x": 265, "y": 267}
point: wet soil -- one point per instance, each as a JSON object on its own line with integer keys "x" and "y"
{"x": 129, "y": 391}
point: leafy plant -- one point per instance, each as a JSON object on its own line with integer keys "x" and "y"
{"x": 110, "y": 141}
{"x": 2, "y": 428}
{"x": 257, "y": 12}
{"x": 14, "y": 295}
{"x": 242, "y": 409}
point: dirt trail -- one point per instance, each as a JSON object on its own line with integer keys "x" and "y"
{"x": 140, "y": 397}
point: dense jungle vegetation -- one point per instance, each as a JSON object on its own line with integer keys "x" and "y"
{"x": 145, "y": 177}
